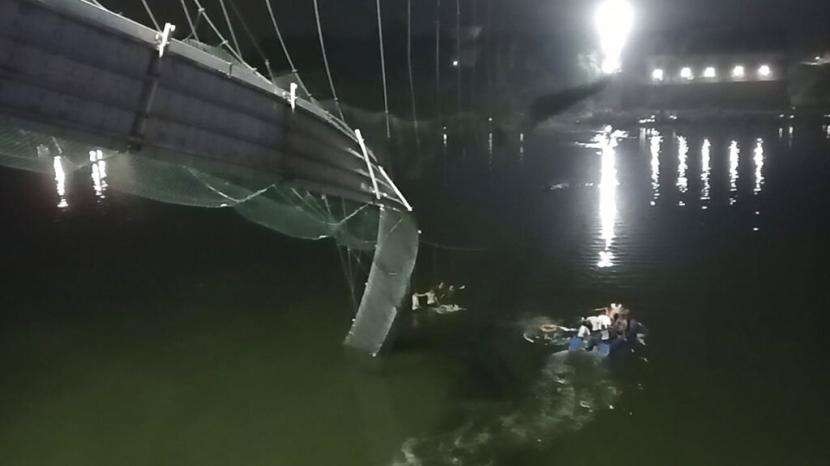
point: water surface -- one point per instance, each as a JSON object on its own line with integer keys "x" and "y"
{"x": 141, "y": 333}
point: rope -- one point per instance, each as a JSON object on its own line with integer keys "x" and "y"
{"x": 230, "y": 27}
{"x": 150, "y": 14}
{"x": 326, "y": 60}
{"x": 411, "y": 75}
{"x": 189, "y": 21}
{"x": 383, "y": 71}
{"x": 284, "y": 47}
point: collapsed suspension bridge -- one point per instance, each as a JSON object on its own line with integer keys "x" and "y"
{"x": 185, "y": 122}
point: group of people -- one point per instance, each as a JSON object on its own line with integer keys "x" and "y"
{"x": 439, "y": 298}
{"x": 612, "y": 324}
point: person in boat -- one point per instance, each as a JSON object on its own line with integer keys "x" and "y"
{"x": 425, "y": 299}
{"x": 438, "y": 297}
{"x": 600, "y": 326}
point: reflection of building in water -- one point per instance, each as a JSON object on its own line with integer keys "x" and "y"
{"x": 758, "y": 159}
{"x": 682, "y": 166}
{"x": 705, "y": 171}
{"x": 608, "y": 196}
{"x": 99, "y": 173}
{"x": 60, "y": 182}
{"x": 734, "y": 159}
{"x": 655, "y": 142}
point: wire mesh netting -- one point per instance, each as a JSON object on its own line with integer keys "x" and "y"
{"x": 375, "y": 246}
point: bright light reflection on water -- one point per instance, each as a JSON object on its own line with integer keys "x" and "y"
{"x": 758, "y": 158}
{"x": 682, "y": 166}
{"x": 734, "y": 158}
{"x": 99, "y": 173}
{"x": 655, "y": 142}
{"x": 705, "y": 170}
{"x": 60, "y": 182}
{"x": 608, "y": 195}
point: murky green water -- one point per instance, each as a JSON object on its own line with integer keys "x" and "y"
{"x": 140, "y": 333}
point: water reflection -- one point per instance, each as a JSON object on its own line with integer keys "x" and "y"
{"x": 99, "y": 173}
{"x": 682, "y": 166}
{"x": 758, "y": 159}
{"x": 734, "y": 159}
{"x": 705, "y": 172}
{"x": 655, "y": 142}
{"x": 608, "y": 195}
{"x": 60, "y": 182}
{"x": 521, "y": 145}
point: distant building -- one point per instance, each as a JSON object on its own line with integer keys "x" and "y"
{"x": 710, "y": 69}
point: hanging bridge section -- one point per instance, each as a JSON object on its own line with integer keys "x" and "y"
{"x": 75, "y": 69}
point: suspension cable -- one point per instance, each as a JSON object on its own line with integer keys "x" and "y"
{"x": 438, "y": 56}
{"x": 230, "y": 27}
{"x": 150, "y": 14}
{"x": 250, "y": 35}
{"x": 458, "y": 51}
{"x": 383, "y": 71}
{"x": 189, "y": 20}
{"x": 411, "y": 75}
{"x": 326, "y": 60}
{"x": 218, "y": 33}
{"x": 284, "y": 47}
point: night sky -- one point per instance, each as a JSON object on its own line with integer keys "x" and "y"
{"x": 357, "y": 17}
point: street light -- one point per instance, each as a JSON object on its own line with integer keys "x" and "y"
{"x": 710, "y": 72}
{"x": 686, "y": 73}
{"x": 657, "y": 74}
{"x": 738, "y": 72}
{"x": 764, "y": 71}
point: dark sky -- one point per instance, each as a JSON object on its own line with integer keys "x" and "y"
{"x": 357, "y": 17}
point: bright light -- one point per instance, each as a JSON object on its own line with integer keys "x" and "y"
{"x": 613, "y": 21}
{"x": 657, "y": 75}
{"x": 710, "y": 72}
{"x": 764, "y": 71}
{"x": 686, "y": 73}
{"x": 455, "y": 63}
{"x": 738, "y": 72}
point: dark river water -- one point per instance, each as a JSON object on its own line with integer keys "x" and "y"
{"x": 139, "y": 333}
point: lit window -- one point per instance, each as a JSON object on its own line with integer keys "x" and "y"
{"x": 710, "y": 72}
{"x": 738, "y": 72}
{"x": 764, "y": 71}
{"x": 657, "y": 75}
{"x": 686, "y": 73}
